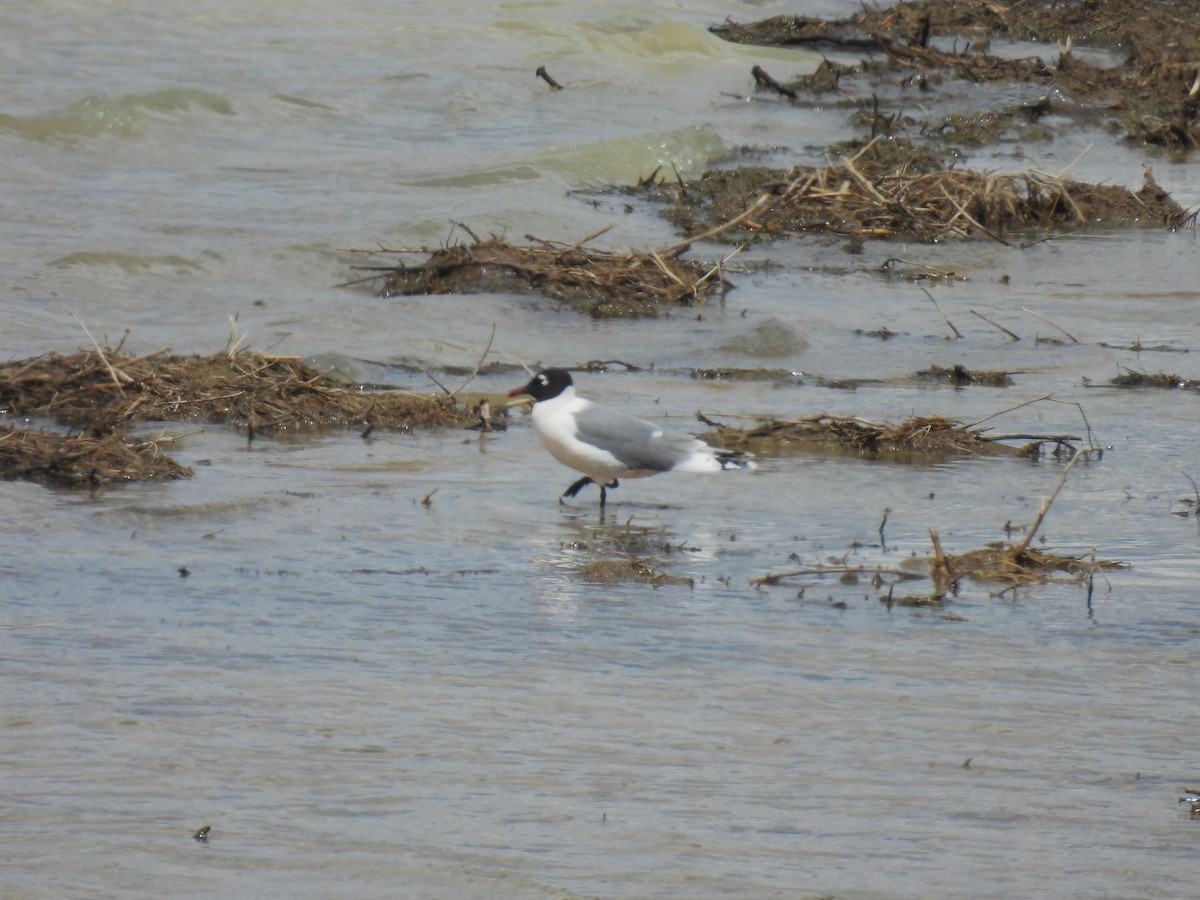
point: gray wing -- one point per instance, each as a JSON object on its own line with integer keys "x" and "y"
{"x": 638, "y": 444}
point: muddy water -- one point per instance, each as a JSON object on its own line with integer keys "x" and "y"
{"x": 365, "y": 694}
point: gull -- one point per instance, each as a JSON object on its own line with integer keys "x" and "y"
{"x": 606, "y": 444}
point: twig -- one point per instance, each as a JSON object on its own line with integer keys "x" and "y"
{"x": 1026, "y": 309}
{"x": 962, "y": 211}
{"x": 591, "y": 237}
{"x": 957, "y": 333}
{"x": 1009, "y": 409}
{"x": 713, "y": 232}
{"x": 1011, "y": 334}
{"x": 657, "y": 260}
{"x": 380, "y": 272}
{"x": 478, "y": 364}
{"x": 1037, "y": 522}
{"x": 888, "y": 266}
{"x": 941, "y": 571}
{"x": 1091, "y": 435}
{"x": 445, "y": 389}
{"x": 776, "y": 577}
{"x": 716, "y": 269}
{"x": 1047, "y": 438}
{"x": 103, "y": 358}
{"x": 1195, "y": 489}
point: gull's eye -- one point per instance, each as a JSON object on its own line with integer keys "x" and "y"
{"x": 543, "y": 379}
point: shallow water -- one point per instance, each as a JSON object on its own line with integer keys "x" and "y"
{"x": 365, "y": 694}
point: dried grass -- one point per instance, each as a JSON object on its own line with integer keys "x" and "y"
{"x": 598, "y": 283}
{"x": 245, "y": 389}
{"x": 82, "y": 459}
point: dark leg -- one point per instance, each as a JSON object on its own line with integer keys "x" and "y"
{"x": 604, "y": 493}
{"x": 577, "y": 487}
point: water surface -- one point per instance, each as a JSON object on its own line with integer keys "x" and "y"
{"x": 365, "y": 694}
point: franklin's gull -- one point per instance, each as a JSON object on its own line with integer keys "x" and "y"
{"x": 606, "y": 444}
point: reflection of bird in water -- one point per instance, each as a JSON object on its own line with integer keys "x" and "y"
{"x": 607, "y": 444}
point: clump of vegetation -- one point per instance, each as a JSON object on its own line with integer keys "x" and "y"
{"x": 870, "y": 196}
{"x": 1153, "y": 96}
{"x": 916, "y": 436}
{"x": 594, "y": 282}
{"x": 244, "y": 389}
{"x": 86, "y": 459}
{"x": 101, "y": 394}
{"x": 1012, "y": 565}
{"x": 1133, "y": 379}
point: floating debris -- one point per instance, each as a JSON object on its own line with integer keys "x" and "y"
{"x": 960, "y": 376}
{"x": 625, "y": 571}
{"x": 921, "y": 435}
{"x": 598, "y": 283}
{"x": 1152, "y": 95}
{"x": 1132, "y": 379}
{"x": 245, "y": 389}
{"x": 734, "y": 374}
{"x": 88, "y": 459}
{"x": 1191, "y": 799}
{"x": 873, "y": 196}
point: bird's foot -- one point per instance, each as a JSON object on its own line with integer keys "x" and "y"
{"x": 576, "y": 488}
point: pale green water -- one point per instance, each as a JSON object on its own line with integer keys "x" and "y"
{"x": 365, "y": 696}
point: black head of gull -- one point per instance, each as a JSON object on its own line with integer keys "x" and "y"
{"x": 606, "y": 444}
